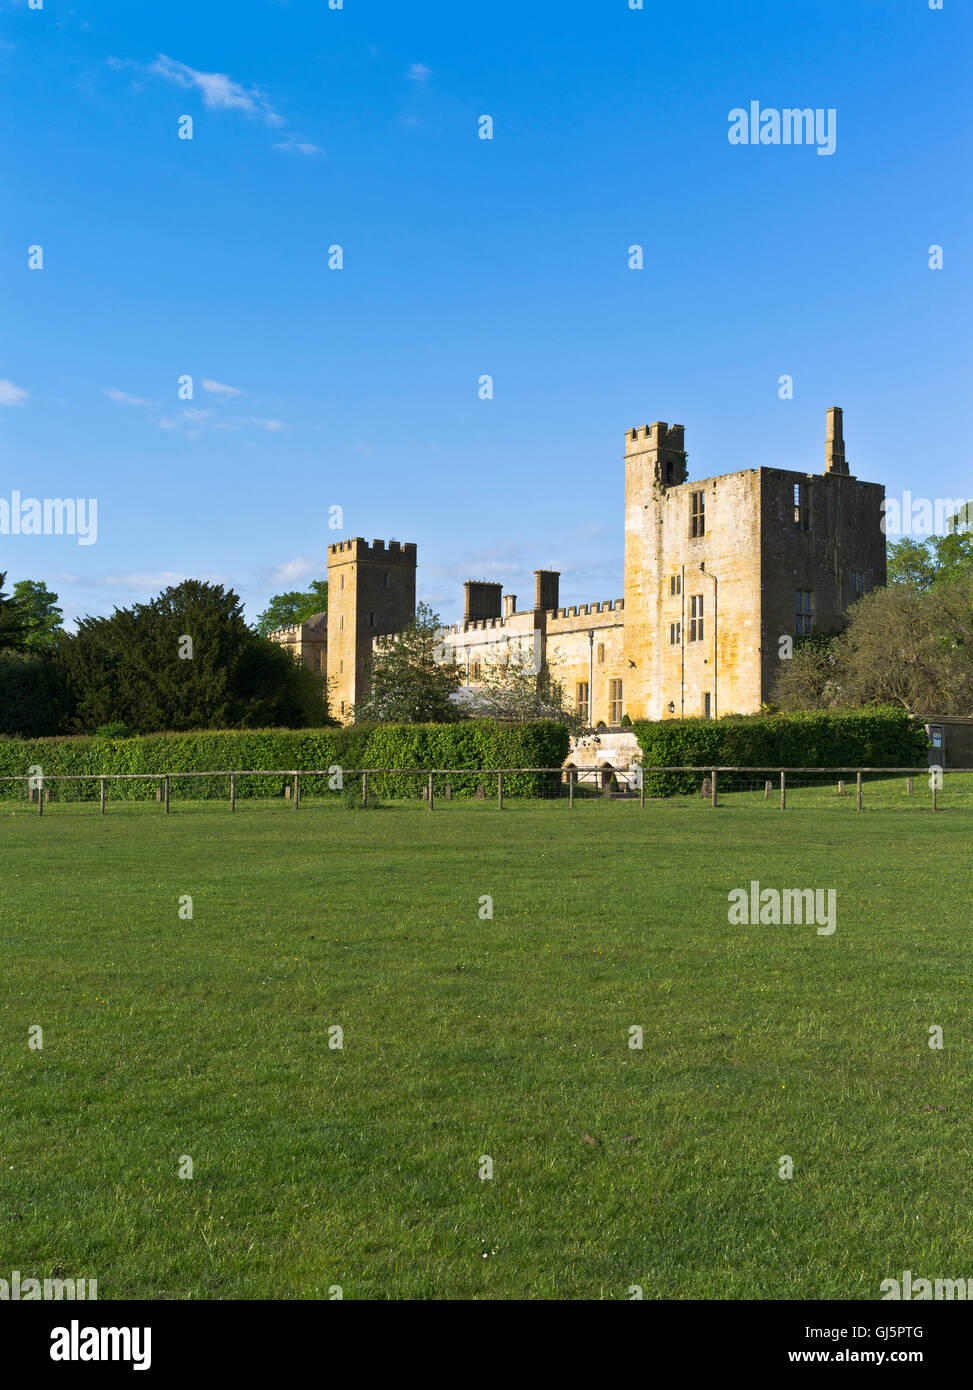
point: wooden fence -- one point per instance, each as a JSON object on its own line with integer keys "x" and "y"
{"x": 605, "y": 780}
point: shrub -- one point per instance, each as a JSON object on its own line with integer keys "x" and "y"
{"x": 474, "y": 745}
{"x": 875, "y": 737}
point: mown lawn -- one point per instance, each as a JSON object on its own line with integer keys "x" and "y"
{"x": 464, "y": 1036}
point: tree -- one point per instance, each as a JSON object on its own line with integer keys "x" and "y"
{"x": 936, "y": 560}
{"x": 408, "y": 679}
{"x": 511, "y": 688}
{"x": 14, "y": 624}
{"x": 186, "y": 660}
{"x": 33, "y": 701}
{"x": 910, "y": 562}
{"x": 808, "y": 678}
{"x": 903, "y": 645}
{"x": 284, "y": 610}
{"x": 44, "y": 618}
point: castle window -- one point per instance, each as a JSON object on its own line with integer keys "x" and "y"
{"x": 341, "y": 668}
{"x": 802, "y": 605}
{"x": 706, "y": 706}
{"x": 385, "y": 580}
{"x": 802, "y": 510}
{"x": 857, "y": 583}
{"x": 669, "y": 472}
{"x": 341, "y": 622}
{"x": 696, "y": 618}
{"x": 615, "y": 702}
{"x": 342, "y": 585}
{"x": 601, "y": 653}
{"x": 475, "y": 671}
{"x": 584, "y": 711}
{"x": 675, "y": 585}
{"x": 675, "y": 634}
{"x": 371, "y": 620}
{"x": 697, "y": 526}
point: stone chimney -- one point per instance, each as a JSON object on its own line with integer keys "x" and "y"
{"x": 509, "y": 605}
{"x": 834, "y": 447}
{"x": 546, "y": 589}
{"x": 480, "y": 600}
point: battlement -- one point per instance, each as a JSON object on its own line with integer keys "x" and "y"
{"x": 359, "y": 550}
{"x": 587, "y": 610}
{"x": 475, "y": 625}
{"x": 655, "y": 436}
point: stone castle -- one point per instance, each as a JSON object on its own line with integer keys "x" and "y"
{"x": 717, "y": 572}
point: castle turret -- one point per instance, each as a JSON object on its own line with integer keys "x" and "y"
{"x": 371, "y": 592}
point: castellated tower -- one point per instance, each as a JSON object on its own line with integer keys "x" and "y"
{"x": 371, "y": 592}
{"x": 655, "y": 460}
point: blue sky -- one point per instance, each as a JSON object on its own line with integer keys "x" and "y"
{"x": 462, "y": 257}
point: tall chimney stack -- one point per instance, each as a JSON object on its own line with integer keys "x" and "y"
{"x": 834, "y": 447}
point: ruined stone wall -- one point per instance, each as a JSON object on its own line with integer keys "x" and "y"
{"x": 842, "y": 537}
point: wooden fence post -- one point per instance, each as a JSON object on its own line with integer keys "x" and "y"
{"x": 570, "y": 788}
{"x": 858, "y": 791}
{"x": 909, "y": 786}
{"x": 712, "y": 785}
{"x": 783, "y": 790}
{"x": 101, "y": 794}
{"x": 40, "y": 798}
{"x": 499, "y": 791}
{"x": 431, "y": 792}
{"x": 768, "y": 788}
{"x": 297, "y": 790}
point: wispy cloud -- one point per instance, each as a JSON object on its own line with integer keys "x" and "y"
{"x": 292, "y": 571}
{"x": 193, "y": 421}
{"x": 219, "y": 388}
{"x": 122, "y": 397}
{"x": 419, "y": 74}
{"x": 298, "y": 146}
{"x": 219, "y": 91}
{"x": 11, "y": 394}
{"x": 272, "y": 425}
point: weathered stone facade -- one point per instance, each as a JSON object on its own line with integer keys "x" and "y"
{"x": 720, "y": 575}
{"x": 307, "y": 640}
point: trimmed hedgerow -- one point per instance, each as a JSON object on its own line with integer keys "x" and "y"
{"x": 475, "y": 745}
{"x": 882, "y": 736}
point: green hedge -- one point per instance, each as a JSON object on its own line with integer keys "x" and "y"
{"x": 475, "y": 745}
{"x": 879, "y": 737}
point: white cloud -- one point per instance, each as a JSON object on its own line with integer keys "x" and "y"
{"x": 271, "y": 425}
{"x": 219, "y": 92}
{"x": 11, "y": 394}
{"x": 419, "y": 74}
{"x": 292, "y": 571}
{"x": 217, "y": 388}
{"x": 298, "y": 146}
{"x": 122, "y": 397}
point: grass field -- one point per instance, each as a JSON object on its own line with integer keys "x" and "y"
{"x": 315, "y": 1167}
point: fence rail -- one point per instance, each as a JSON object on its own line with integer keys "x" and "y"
{"x": 435, "y": 784}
